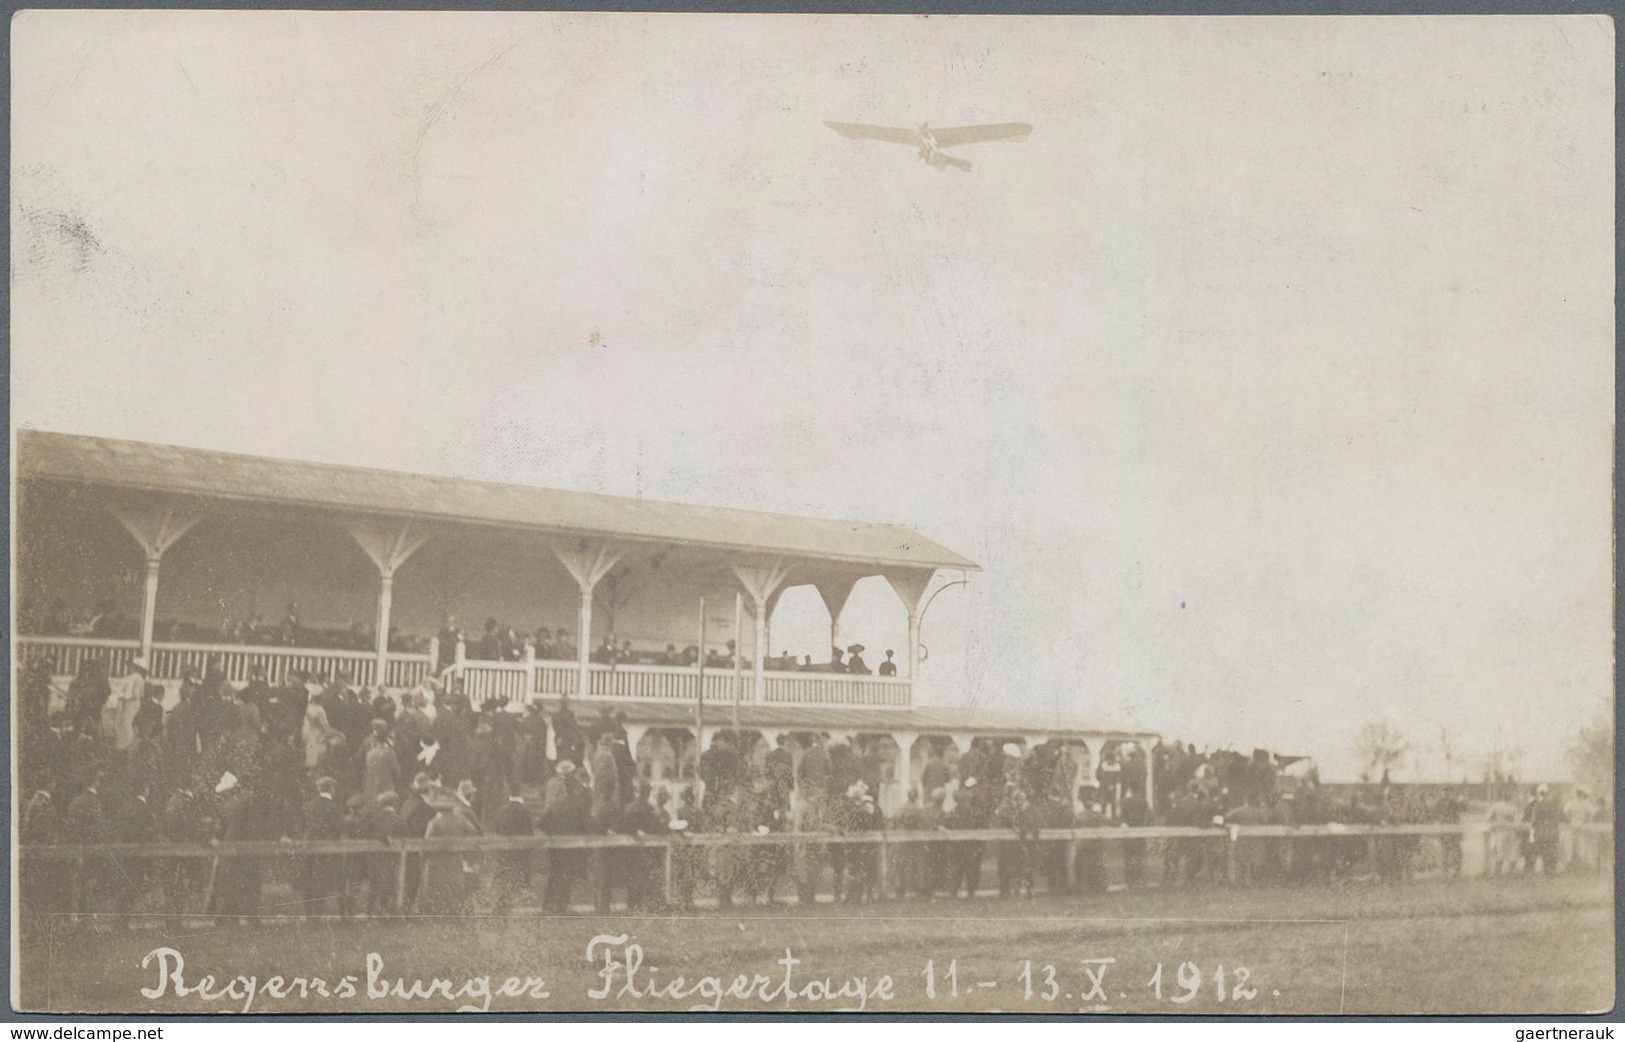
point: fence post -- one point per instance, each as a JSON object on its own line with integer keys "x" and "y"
{"x": 881, "y": 869}
{"x": 670, "y": 842}
{"x": 1371, "y": 852}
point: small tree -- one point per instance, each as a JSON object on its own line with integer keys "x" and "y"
{"x": 1381, "y": 747}
{"x": 1591, "y": 757}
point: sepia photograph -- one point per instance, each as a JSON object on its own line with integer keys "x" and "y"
{"x": 656, "y": 514}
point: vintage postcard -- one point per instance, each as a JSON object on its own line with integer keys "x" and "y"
{"x": 654, "y": 513}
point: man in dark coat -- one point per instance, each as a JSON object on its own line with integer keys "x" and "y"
{"x": 453, "y": 729}
{"x": 257, "y": 691}
{"x": 87, "y": 694}
{"x": 719, "y": 767}
{"x": 565, "y": 808}
{"x": 323, "y": 872}
{"x": 512, "y": 818}
{"x": 1136, "y": 814}
{"x": 285, "y": 706}
{"x": 1545, "y": 826}
{"x": 568, "y": 740}
{"x": 416, "y": 813}
{"x": 388, "y": 827}
{"x": 486, "y": 768}
{"x": 86, "y": 824}
{"x": 643, "y": 864}
{"x": 973, "y": 807}
{"x": 780, "y": 767}
{"x": 136, "y": 823}
{"x": 936, "y": 773}
{"x": 813, "y": 772}
{"x": 183, "y": 822}
{"x": 240, "y": 817}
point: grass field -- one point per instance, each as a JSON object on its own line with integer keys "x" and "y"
{"x": 1434, "y": 946}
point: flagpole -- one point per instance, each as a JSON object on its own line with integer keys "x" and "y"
{"x": 699, "y": 701}
{"x": 739, "y": 652}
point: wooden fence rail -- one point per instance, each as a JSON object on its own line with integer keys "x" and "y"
{"x": 673, "y": 843}
{"x": 486, "y": 844}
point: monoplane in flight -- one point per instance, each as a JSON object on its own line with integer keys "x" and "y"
{"x": 930, "y": 143}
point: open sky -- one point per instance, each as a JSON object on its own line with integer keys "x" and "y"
{"x": 1270, "y": 380}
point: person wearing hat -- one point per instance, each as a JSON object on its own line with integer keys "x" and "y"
{"x": 855, "y": 663}
{"x": 642, "y": 868}
{"x": 381, "y": 768}
{"x": 888, "y": 668}
{"x": 1545, "y": 825}
{"x": 356, "y": 872}
{"x": 241, "y": 816}
{"x": 485, "y": 762}
{"x": 118, "y": 712}
{"x": 606, "y": 807}
{"x": 257, "y": 691}
{"x": 780, "y": 770}
{"x": 452, "y": 730}
{"x": 416, "y": 813}
{"x": 1581, "y": 812}
{"x": 719, "y": 767}
{"x": 512, "y": 876}
{"x": 565, "y": 806}
{"x": 1136, "y": 813}
{"x": 285, "y": 706}
{"x": 42, "y": 885}
{"x": 86, "y": 824}
{"x": 973, "y": 808}
{"x": 466, "y": 794}
{"x": 323, "y": 876}
{"x": 182, "y": 822}
{"x": 568, "y": 738}
{"x": 384, "y": 824}
{"x": 449, "y": 636}
{"x": 87, "y": 694}
{"x": 449, "y": 876}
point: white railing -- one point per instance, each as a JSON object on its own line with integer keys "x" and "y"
{"x": 834, "y": 689}
{"x": 507, "y": 681}
{"x": 677, "y": 684}
{"x": 67, "y": 656}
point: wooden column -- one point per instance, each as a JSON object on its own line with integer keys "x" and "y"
{"x": 909, "y": 584}
{"x": 835, "y": 593}
{"x": 156, "y": 524}
{"x": 588, "y": 561}
{"x": 389, "y": 543}
{"x": 761, "y": 579}
{"x": 905, "y": 764}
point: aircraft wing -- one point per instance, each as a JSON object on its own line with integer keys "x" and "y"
{"x": 900, "y": 135}
{"x": 948, "y": 137}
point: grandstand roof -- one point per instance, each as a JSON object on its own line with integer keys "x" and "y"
{"x": 44, "y": 455}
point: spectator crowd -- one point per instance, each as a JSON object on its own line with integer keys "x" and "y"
{"x": 317, "y": 759}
